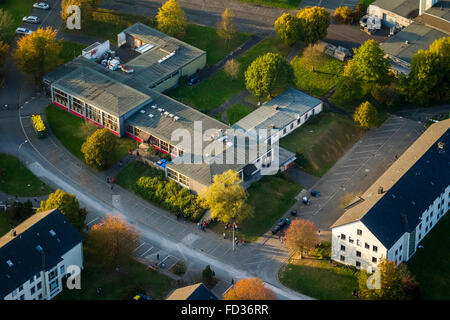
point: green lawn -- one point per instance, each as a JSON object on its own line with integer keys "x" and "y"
{"x": 206, "y": 96}
{"x": 271, "y": 197}
{"x": 318, "y": 279}
{"x": 287, "y": 4}
{"x": 16, "y": 179}
{"x": 129, "y": 175}
{"x": 132, "y": 279}
{"x": 71, "y": 50}
{"x": 322, "y": 141}
{"x": 237, "y": 112}
{"x": 72, "y": 131}
{"x": 206, "y": 38}
{"x": 431, "y": 264}
{"x": 18, "y": 9}
{"x": 327, "y": 72}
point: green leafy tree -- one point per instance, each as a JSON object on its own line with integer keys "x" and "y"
{"x": 19, "y": 211}
{"x": 389, "y": 282}
{"x": 99, "y": 148}
{"x": 366, "y": 115}
{"x": 267, "y": 73}
{"x": 287, "y": 28}
{"x": 429, "y": 79}
{"x": 226, "y": 198}
{"x": 369, "y": 64}
{"x": 171, "y": 19}
{"x": 226, "y": 29}
{"x": 6, "y": 25}
{"x": 38, "y": 53}
{"x": 208, "y": 275}
{"x": 68, "y": 204}
{"x": 313, "y": 24}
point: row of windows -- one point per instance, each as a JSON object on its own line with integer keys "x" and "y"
{"x": 178, "y": 177}
{"x": 77, "y": 105}
{"x": 165, "y": 79}
{"x": 358, "y": 264}
{"x": 351, "y": 240}
{"x": 358, "y": 254}
{"x": 110, "y": 122}
{"x": 60, "y": 97}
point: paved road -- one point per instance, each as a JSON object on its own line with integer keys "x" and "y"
{"x": 250, "y": 18}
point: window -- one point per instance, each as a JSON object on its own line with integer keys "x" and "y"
{"x": 184, "y": 180}
{"x": 130, "y": 129}
{"x": 298, "y": 121}
{"x": 22, "y": 297}
{"x": 342, "y": 236}
{"x": 342, "y": 258}
{"x": 359, "y": 232}
{"x": 93, "y": 114}
{"x": 172, "y": 174}
{"x": 358, "y": 242}
{"x": 77, "y": 106}
{"x": 292, "y": 126}
{"x": 52, "y": 274}
{"x": 358, "y": 264}
{"x": 62, "y": 270}
{"x": 14, "y": 293}
{"x": 420, "y": 226}
{"x": 32, "y": 279}
{"x": 60, "y": 97}
{"x": 396, "y": 252}
{"x": 401, "y": 247}
{"x": 284, "y": 131}
{"x": 110, "y": 122}
{"x": 350, "y": 240}
{"x": 40, "y": 296}
{"x": 33, "y": 290}
{"x": 39, "y": 286}
{"x": 374, "y": 260}
{"x": 375, "y": 248}
{"x": 358, "y": 253}
{"x": 342, "y": 248}
{"x": 366, "y": 245}
{"x": 20, "y": 288}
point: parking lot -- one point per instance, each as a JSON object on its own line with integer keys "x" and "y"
{"x": 329, "y": 4}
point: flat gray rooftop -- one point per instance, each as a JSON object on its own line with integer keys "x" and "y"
{"x": 419, "y": 36}
{"x": 101, "y": 91}
{"x": 401, "y": 7}
{"x": 291, "y": 104}
{"x": 441, "y": 10}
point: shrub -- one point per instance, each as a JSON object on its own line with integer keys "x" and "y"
{"x": 179, "y": 268}
{"x": 323, "y": 250}
{"x": 208, "y": 275}
{"x": 343, "y": 15}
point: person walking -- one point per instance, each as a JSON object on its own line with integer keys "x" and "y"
{"x": 157, "y": 256}
{"x": 224, "y": 235}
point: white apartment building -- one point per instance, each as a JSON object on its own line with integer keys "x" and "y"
{"x": 401, "y": 207}
{"x": 35, "y": 257}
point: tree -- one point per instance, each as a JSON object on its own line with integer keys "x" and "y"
{"x": 226, "y": 29}
{"x": 86, "y": 7}
{"x": 429, "y": 79}
{"x": 19, "y": 211}
{"x": 287, "y": 28}
{"x": 389, "y": 282}
{"x": 249, "y": 289}
{"x": 267, "y": 73}
{"x": 99, "y": 148}
{"x": 312, "y": 56}
{"x": 226, "y": 198}
{"x": 343, "y": 15}
{"x": 112, "y": 241}
{"x": 171, "y": 19}
{"x": 366, "y": 115}
{"x": 6, "y": 24}
{"x": 208, "y": 275}
{"x": 369, "y": 64}
{"x": 38, "y": 53}
{"x": 302, "y": 236}
{"x": 313, "y": 24}
{"x": 68, "y": 204}
{"x": 232, "y": 68}
{"x": 4, "y": 50}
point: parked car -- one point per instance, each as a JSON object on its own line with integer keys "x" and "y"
{"x": 31, "y": 19}
{"x": 41, "y": 5}
{"x": 22, "y": 30}
{"x": 293, "y": 212}
{"x": 315, "y": 193}
{"x": 192, "y": 80}
{"x": 283, "y": 222}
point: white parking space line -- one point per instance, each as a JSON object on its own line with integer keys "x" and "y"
{"x": 139, "y": 246}
{"x": 97, "y": 218}
{"x": 146, "y": 251}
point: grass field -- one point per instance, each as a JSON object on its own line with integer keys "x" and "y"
{"x": 431, "y": 264}
{"x": 72, "y": 131}
{"x": 326, "y": 75}
{"x": 287, "y": 4}
{"x": 271, "y": 197}
{"x": 128, "y": 176}
{"x": 71, "y": 50}
{"x": 18, "y": 9}
{"x": 132, "y": 279}
{"x": 205, "y": 96}
{"x": 322, "y": 141}
{"x": 16, "y": 179}
{"x": 237, "y": 112}
{"x": 318, "y": 279}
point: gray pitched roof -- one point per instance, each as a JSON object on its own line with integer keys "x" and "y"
{"x": 21, "y": 249}
{"x": 101, "y": 91}
{"x": 419, "y": 36}
{"x": 411, "y": 184}
{"x": 401, "y": 7}
{"x": 279, "y": 112}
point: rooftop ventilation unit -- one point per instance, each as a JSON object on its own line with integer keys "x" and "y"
{"x": 166, "y": 113}
{"x": 154, "y": 106}
{"x": 142, "y": 111}
{"x": 10, "y": 264}
{"x": 160, "y": 109}
{"x": 175, "y": 118}
{"x": 52, "y": 232}
{"x": 39, "y": 248}
{"x": 171, "y": 115}
{"x": 150, "y": 115}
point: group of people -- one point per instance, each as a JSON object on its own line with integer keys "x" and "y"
{"x": 203, "y": 224}
{"x": 110, "y": 180}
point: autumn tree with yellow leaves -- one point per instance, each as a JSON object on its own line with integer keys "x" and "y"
{"x": 226, "y": 29}
{"x": 249, "y": 289}
{"x": 227, "y": 198}
{"x": 38, "y": 53}
{"x": 171, "y": 19}
{"x": 112, "y": 241}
